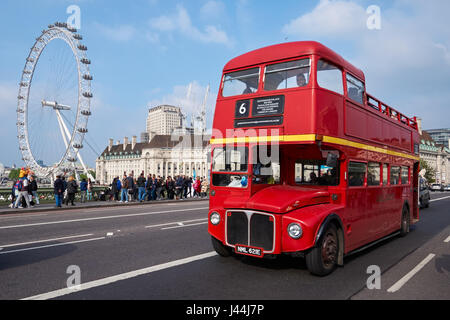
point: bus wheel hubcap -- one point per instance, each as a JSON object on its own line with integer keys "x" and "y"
{"x": 329, "y": 250}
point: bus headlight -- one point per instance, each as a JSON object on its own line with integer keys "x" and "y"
{"x": 295, "y": 231}
{"x": 214, "y": 218}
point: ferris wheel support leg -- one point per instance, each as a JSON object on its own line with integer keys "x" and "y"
{"x": 66, "y": 130}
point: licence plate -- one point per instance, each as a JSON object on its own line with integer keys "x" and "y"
{"x": 249, "y": 251}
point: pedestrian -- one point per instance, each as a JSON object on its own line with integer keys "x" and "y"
{"x": 132, "y": 189}
{"x": 124, "y": 195}
{"x": 65, "y": 188}
{"x": 72, "y": 189}
{"x": 141, "y": 187}
{"x": 205, "y": 186}
{"x": 23, "y": 189}
{"x": 197, "y": 187}
{"x": 14, "y": 194}
{"x": 58, "y": 187}
{"x": 89, "y": 190}
{"x": 119, "y": 188}
{"x": 159, "y": 184}
{"x": 170, "y": 187}
{"x": 83, "y": 190}
{"x": 34, "y": 189}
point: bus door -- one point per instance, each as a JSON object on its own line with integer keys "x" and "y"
{"x": 357, "y": 216}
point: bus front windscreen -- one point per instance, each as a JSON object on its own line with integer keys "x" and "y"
{"x": 230, "y": 159}
{"x": 230, "y": 165}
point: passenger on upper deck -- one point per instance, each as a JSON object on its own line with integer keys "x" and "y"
{"x": 301, "y": 80}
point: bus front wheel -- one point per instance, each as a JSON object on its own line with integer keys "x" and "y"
{"x": 221, "y": 250}
{"x": 322, "y": 259}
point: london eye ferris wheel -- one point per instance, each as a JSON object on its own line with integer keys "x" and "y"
{"x": 54, "y": 102}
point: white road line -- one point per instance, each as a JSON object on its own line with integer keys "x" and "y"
{"x": 411, "y": 274}
{"x": 19, "y": 216}
{"x": 447, "y": 240}
{"x": 171, "y": 223}
{"x": 52, "y": 245}
{"x": 48, "y": 240}
{"x": 99, "y": 218}
{"x": 185, "y": 226}
{"x": 440, "y": 199}
{"x": 120, "y": 277}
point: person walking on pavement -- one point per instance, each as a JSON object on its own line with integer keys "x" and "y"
{"x": 89, "y": 190}
{"x": 83, "y": 190}
{"x": 124, "y": 195}
{"x": 141, "y": 187}
{"x": 24, "y": 186}
{"x": 58, "y": 187}
{"x": 72, "y": 189}
{"x": 33, "y": 190}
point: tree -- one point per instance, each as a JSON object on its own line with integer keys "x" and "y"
{"x": 14, "y": 174}
{"x": 430, "y": 173}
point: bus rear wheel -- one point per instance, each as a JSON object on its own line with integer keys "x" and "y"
{"x": 404, "y": 230}
{"x": 322, "y": 259}
{"x": 221, "y": 250}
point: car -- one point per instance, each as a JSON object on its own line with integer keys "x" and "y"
{"x": 447, "y": 187}
{"x": 436, "y": 187}
{"x": 424, "y": 195}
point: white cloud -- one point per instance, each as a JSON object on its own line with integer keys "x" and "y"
{"x": 406, "y": 63}
{"x": 212, "y": 10}
{"x": 120, "y": 33}
{"x": 329, "y": 18}
{"x": 181, "y": 22}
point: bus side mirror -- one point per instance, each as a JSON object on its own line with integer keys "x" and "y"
{"x": 332, "y": 160}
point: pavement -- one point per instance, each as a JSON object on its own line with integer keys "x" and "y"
{"x": 6, "y": 210}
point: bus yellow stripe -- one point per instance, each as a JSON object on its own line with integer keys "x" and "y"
{"x": 311, "y": 138}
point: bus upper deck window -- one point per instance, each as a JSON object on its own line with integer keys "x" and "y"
{"x": 286, "y": 75}
{"x": 355, "y": 89}
{"x": 240, "y": 82}
{"x": 329, "y": 77}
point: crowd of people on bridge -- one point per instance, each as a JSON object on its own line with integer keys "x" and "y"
{"x": 153, "y": 188}
{"x": 124, "y": 190}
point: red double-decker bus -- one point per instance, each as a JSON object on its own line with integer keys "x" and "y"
{"x": 305, "y": 162}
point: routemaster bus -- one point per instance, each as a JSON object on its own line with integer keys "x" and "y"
{"x": 305, "y": 162}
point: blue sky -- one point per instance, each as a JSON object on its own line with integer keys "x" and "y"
{"x": 146, "y": 52}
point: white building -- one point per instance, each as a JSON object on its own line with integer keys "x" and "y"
{"x": 162, "y": 120}
{"x": 436, "y": 155}
{"x": 164, "y": 155}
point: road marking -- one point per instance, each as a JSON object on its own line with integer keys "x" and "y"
{"x": 100, "y": 218}
{"x": 18, "y": 216}
{"x": 120, "y": 277}
{"x": 440, "y": 199}
{"x": 411, "y": 274}
{"x": 177, "y": 222}
{"x": 447, "y": 240}
{"x": 52, "y": 245}
{"x": 48, "y": 240}
{"x": 185, "y": 226}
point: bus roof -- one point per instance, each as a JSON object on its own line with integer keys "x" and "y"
{"x": 291, "y": 50}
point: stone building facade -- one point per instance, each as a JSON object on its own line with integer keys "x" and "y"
{"x": 164, "y": 155}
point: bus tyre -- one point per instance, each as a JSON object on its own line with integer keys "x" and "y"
{"x": 322, "y": 259}
{"x": 221, "y": 250}
{"x": 404, "y": 229}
